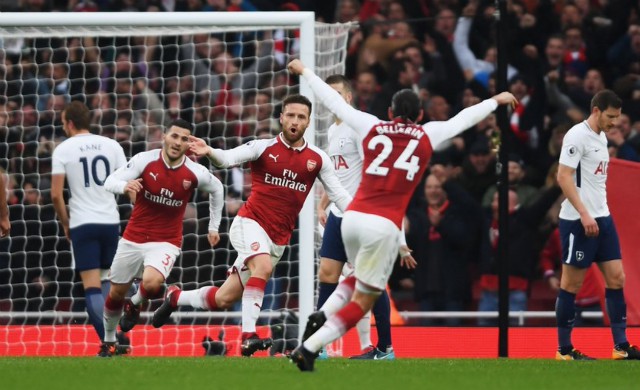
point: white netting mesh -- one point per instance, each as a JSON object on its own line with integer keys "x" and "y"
{"x": 228, "y": 81}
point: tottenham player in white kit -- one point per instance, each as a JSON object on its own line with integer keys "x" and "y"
{"x": 164, "y": 181}
{"x": 587, "y": 231}
{"x": 283, "y": 170}
{"x": 396, "y": 154}
{"x": 345, "y": 151}
{"x": 93, "y": 222}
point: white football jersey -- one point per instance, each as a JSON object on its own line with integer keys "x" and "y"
{"x": 345, "y": 151}
{"x": 87, "y": 160}
{"x": 586, "y": 151}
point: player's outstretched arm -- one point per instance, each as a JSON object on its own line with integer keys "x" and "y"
{"x": 440, "y": 131}
{"x": 360, "y": 121}
{"x": 227, "y": 158}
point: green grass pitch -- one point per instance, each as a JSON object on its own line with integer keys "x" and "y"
{"x": 277, "y": 373}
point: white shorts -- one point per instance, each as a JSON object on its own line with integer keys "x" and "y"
{"x": 372, "y": 244}
{"x": 249, "y": 239}
{"x": 131, "y": 258}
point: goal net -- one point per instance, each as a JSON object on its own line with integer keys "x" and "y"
{"x": 224, "y": 72}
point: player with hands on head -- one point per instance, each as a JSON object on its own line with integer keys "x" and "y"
{"x": 587, "y": 231}
{"x": 396, "y": 154}
{"x": 164, "y": 181}
{"x": 283, "y": 170}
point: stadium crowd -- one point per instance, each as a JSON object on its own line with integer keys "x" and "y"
{"x": 230, "y": 85}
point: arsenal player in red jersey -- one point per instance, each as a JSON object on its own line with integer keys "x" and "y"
{"x": 164, "y": 181}
{"x": 396, "y": 154}
{"x": 283, "y": 170}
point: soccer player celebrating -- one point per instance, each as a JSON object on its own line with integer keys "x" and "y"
{"x": 396, "y": 154}
{"x": 345, "y": 151}
{"x": 164, "y": 181}
{"x": 93, "y": 223}
{"x": 283, "y": 170}
{"x": 587, "y": 231}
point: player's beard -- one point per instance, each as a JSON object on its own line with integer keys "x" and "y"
{"x": 293, "y": 138}
{"x": 169, "y": 156}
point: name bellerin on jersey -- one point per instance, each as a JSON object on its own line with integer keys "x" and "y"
{"x": 399, "y": 128}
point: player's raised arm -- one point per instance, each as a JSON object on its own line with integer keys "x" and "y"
{"x": 332, "y": 186}
{"x": 360, "y": 121}
{"x": 227, "y": 158}
{"x": 440, "y": 131}
{"x": 126, "y": 178}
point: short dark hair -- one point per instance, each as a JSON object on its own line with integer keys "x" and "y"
{"x": 405, "y": 104}
{"x": 296, "y": 99}
{"x": 78, "y": 113}
{"x": 605, "y": 99}
{"x": 339, "y": 79}
{"x": 183, "y": 124}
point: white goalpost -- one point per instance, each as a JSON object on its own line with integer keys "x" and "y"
{"x": 224, "y": 72}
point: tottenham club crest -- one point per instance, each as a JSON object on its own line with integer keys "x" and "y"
{"x": 311, "y": 165}
{"x": 186, "y": 184}
{"x": 579, "y": 255}
{"x": 342, "y": 142}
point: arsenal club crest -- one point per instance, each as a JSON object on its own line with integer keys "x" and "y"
{"x": 311, "y": 165}
{"x": 186, "y": 184}
{"x": 255, "y": 246}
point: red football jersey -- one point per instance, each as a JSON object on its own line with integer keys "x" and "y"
{"x": 282, "y": 177}
{"x": 159, "y": 209}
{"x": 396, "y": 154}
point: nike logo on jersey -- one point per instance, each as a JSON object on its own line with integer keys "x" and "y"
{"x": 154, "y": 175}
{"x": 275, "y": 158}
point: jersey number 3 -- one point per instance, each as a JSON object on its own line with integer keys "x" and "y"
{"x": 406, "y": 161}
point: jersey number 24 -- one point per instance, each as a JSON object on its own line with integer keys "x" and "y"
{"x": 406, "y": 161}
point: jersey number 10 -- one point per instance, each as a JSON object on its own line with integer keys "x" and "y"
{"x": 94, "y": 170}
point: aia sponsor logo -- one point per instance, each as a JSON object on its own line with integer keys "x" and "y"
{"x": 186, "y": 184}
{"x": 311, "y": 165}
{"x": 255, "y": 246}
{"x": 602, "y": 168}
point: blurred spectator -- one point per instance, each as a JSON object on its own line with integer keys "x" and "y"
{"x": 478, "y": 169}
{"x": 516, "y": 175}
{"x": 524, "y": 250}
{"x": 441, "y": 233}
{"x": 366, "y": 88}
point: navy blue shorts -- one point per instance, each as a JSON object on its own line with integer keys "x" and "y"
{"x": 332, "y": 245}
{"x": 94, "y": 245}
{"x": 580, "y": 251}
